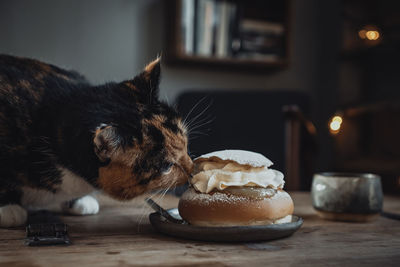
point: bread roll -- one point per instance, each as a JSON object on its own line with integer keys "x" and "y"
{"x": 222, "y": 208}
{"x": 235, "y": 187}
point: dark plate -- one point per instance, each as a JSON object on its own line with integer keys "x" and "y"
{"x": 224, "y": 234}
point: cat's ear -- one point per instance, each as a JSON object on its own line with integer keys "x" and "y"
{"x": 152, "y": 73}
{"x": 147, "y": 82}
{"x": 106, "y": 141}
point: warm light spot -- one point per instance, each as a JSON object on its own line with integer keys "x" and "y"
{"x": 369, "y": 33}
{"x": 362, "y": 33}
{"x": 338, "y": 119}
{"x": 372, "y": 35}
{"x": 335, "y": 124}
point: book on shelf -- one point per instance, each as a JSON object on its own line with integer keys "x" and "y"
{"x": 226, "y": 15}
{"x": 205, "y": 27}
{"x": 261, "y": 38}
{"x": 217, "y": 28}
{"x": 188, "y": 25}
{"x": 261, "y": 27}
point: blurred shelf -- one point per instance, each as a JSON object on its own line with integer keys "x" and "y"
{"x": 227, "y": 63}
{"x": 244, "y": 35}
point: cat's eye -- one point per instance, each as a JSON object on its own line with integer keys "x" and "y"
{"x": 166, "y": 168}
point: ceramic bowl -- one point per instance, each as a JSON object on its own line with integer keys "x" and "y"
{"x": 347, "y": 196}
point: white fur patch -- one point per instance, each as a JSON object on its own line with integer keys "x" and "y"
{"x": 12, "y": 215}
{"x": 86, "y": 205}
{"x": 72, "y": 187}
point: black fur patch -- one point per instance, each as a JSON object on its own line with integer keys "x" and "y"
{"x": 48, "y": 118}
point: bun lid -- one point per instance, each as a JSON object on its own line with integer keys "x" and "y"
{"x": 241, "y": 157}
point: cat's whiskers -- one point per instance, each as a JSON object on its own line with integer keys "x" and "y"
{"x": 194, "y": 133}
{"x": 197, "y": 133}
{"x": 199, "y": 115}
{"x": 167, "y": 99}
{"x": 145, "y": 208}
{"x": 192, "y": 109}
{"x": 201, "y": 123}
{"x": 195, "y": 126}
{"x": 164, "y": 192}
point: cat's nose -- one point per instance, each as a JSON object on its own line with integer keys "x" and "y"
{"x": 187, "y": 164}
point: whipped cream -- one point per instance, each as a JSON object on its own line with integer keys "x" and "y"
{"x": 220, "y": 175}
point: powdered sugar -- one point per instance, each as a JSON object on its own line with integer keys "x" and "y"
{"x": 239, "y": 156}
{"x": 280, "y": 195}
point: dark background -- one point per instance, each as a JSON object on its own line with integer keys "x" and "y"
{"x": 113, "y": 40}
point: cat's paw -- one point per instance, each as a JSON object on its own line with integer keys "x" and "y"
{"x": 86, "y": 205}
{"x": 12, "y": 215}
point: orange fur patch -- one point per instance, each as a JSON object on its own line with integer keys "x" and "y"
{"x": 130, "y": 85}
{"x": 24, "y": 84}
{"x": 176, "y": 144}
{"x": 117, "y": 180}
{"x": 149, "y": 68}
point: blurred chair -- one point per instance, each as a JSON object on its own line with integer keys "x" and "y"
{"x": 368, "y": 141}
{"x": 269, "y": 122}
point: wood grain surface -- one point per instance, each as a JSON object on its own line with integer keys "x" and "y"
{"x": 121, "y": 235}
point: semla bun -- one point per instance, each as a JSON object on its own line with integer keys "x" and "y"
{"x": 245, "y": 204}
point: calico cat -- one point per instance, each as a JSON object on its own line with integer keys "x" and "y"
{"x": 61, "y": 139}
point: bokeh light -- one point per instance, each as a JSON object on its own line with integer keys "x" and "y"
{"x": 372, "y": 35}
{"x": 335, "y": 124}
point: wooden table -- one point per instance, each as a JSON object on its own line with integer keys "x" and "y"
{"x": 121, "y": 235}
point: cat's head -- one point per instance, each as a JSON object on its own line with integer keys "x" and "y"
{"x": 146, "y": 147}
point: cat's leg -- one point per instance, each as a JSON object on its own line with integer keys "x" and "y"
{"x": 11, "y": 212}
{"x": 86, "y": 205}
{"x": 12, "y": 215}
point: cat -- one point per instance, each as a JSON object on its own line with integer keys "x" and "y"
{"x": 62, "y": 138}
